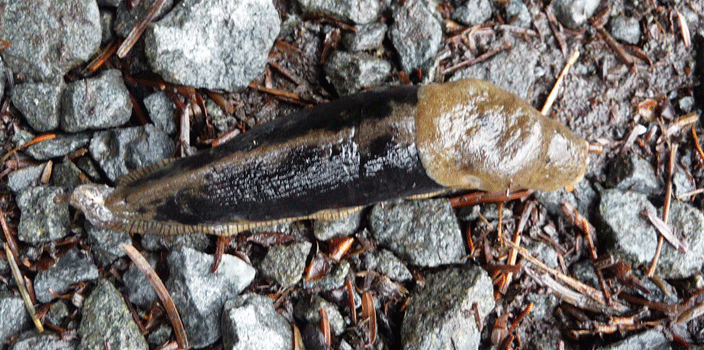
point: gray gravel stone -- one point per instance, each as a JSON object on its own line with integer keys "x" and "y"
{"x": 126, "y": 20}
{"x": 250, "y": 322}
{"x": 14, "y": 317}
{"x": 161, "y": 111}
{"x": 512, "y": 70}
{"x": 58, "y": 313}
{"x": 308, "y": 309}
{"x": 350, "y": 72}
{"x": 682, "y": 183}
{"x": 42, "y": 220}
{"x": 20, "y": 179}
{"x": 387, "y": 264}
{"x": 49, "y": 37}
{"x": 200, "y": 295}
{"x": 424, "y": 233}
{"x": 32, "y": 340}
{"x": 488, "y": 211}
{"x": 583, "y": 198}
{"x": 436, "y": 317}
{"x": 160, "y": 335}
{"x": 96, "y": 103}
{"x": 333, "y": 280}
{"x": 473, "y": 12}
{"x": 416, "y": 48}
{"x": 72, "y": 267}
{"x": 107, "y": 22}
{"x": 517, "y": 13}
{"x": 285, "y": 263}
{"x": 139, "y": 290}
{"x": 686, "y": 103}
{"x": 367, "y": 37}
{"x": 106, "y": 244}
{"x": 652, "y": 339}
{"x": 687, "y": 221}
{"x": 108, "y": 322}
{"x": 40, "y": 103}
{"x": 324, "y": 230}
{"x": 626, "y": 29}
{"x": 214, "y": 44}
{"x": 65, "y": 175}
{"x": 630, "y": 173}
{"x": 119, "y": 151}
{"x": 574, "y": 13}
{"x": 629, "y": 236}
{"x": 59, "y": 146}
{"x": 357, "y": 11}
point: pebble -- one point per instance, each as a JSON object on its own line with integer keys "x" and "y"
{"x": 200, "y": 295}
{"x": 436, "y": 316}
{"x": 59, "y": 146}
{"x": 631, "y": 173}
{"x": 65, "y": 175}
{"x": 350, "y": 72}
{"x": 20, "y": 179}
{"x": 106, "y": 244}
{"x": 582, "y": 197}
{"x": 324, "y": 230}
{"x": 71, "y": 268}
{"x": 251, "y": 322}
{"x": 213, "y": 44}
{"x": 96, "y": 103}
{"x": 488, "y": 211}
{"x": 472, "y": 12}
{"x": 356, "y": 11}
{"x": 119, "y": 151}
{"x": 69, "y": 32}
{"x": 107, "y": 22}
{"x": 423, "y": 233}
{"x": 161, "y": 111}
{"x": 42, "y": 220}
{"x": 40, "y": 103}
{"x": 107, "y": 322}
{"x": 652, "y": 339}
{"x": 368, "y": 37}
{"x": 688, "y": 223}
{"x": 308, "y": 309}
{"x": 626, "y": 29}
{"x": 512, "y": 70}
{"x": 14, "y": 317}
{"x": 686, "y": 103}
{"x": 139, "y": 290}
{"x": 518, "y": 15}
{"x": 285, "y": 263}
{"x": 387, "y": 264}
{"x": 416, "y": 48}
{"x": 47, "y": 340}
{"x": 334, "y": 279}
{"x": 574, "y": 13}
{"x": 159, "y": 335}
{"x": 58, "y": 313}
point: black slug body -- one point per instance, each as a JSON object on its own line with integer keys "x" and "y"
{"x": 321, "y": 162}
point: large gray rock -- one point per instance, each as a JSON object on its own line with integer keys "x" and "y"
{"x": 120, "y": 151}
{"x": 108, "y": 322}
{"x": 200, "y": 295}
{"x": 71, "y": 268}
{"x": 424, "y": 233}
{"x": 250, "y": 322}
{"x": 40, "y": 103}
{"x": 96, "y": 103}
{"x": 437, "y": 315}
{"x": 42, "y": 219}
{"x": 213, "y": 44}
{"x": 49, "y": 37}
{"x": 416, "y": 35}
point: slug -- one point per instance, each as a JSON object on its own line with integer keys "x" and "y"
{"x": 329, "y": 160}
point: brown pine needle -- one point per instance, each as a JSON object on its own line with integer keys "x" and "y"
{"x": 558, "y": 82}
{"x": 19, "y": 279}
{"x": 665, "y": 210}
{"x": 37, "y": 139}
{"x": 139, "y": 29}
{"x": 161, "y": 291}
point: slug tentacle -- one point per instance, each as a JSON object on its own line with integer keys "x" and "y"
{"x": 334, "y": 158}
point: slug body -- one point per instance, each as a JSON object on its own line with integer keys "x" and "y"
{"x": 331, "y": 159}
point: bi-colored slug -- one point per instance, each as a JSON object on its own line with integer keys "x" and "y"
{"x": 323, "y": 162}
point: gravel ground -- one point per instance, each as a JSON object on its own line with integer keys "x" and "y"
{"x": 425, "y": 274}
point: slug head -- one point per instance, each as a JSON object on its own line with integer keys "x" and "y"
{"x": 90, "y": 199}
{"x": 473, "y": 135}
